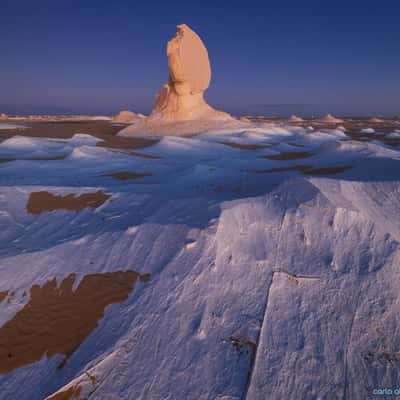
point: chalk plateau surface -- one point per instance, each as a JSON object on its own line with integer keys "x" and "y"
{"x": 253, "y": 261}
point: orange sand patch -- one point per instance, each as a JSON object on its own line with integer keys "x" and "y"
{"x": 135, "y": 154}
{"x": 289, "y": 156}
{"x": 328, "y": 170}
{"x": 63, "y": 129}
{"x": 304, "y": 169}
{"x": 245, "y": 146}
{"x": 39, "y": 202}
{"x": 298, "y": 168}
{"x": 57, "y": 319}
{"x": 125, "y": 175}
{"x": 144, "y": 155}
{"x": 5, "y": 160}
{"x": 103, "y": 130}
{"x": 295, "y": 144}
{"x": 3, "y": 295}
{"x": 121, "y": 142}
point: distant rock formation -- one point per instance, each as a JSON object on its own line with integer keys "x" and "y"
{"x": 181, "y": 100}
{"x": 375, "y": 120}
{"x": 368, "y": 130}
{"x": 3, "y": 116}
{"x": 330, "y": 119}
{"x": 243, "y": 118}
{"x": 127, "y": 117}
{"x": 295, "y": 118}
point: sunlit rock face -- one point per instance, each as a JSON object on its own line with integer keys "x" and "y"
{"x": 181, "y": 100}
{"x": 189, "y": 77}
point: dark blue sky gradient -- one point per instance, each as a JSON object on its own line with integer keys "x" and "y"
{"x": 267, "y": 57}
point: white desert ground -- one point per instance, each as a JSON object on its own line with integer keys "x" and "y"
{"x": 254, "y": 258}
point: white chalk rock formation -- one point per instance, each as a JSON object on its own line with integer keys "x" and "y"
{"x": 189, "y": 76}
{"x": 375, "y": 120}
{"x": 295, "y": 118}
{"x": 243, "y": 118}
{"x": 127, "y": 117}
{"x": 180, "y": 107}
{"x": 330, "y": 119}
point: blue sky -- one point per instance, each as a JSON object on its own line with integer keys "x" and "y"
{"x": 267, "y": 57}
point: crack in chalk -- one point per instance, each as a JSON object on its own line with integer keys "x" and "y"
{"x": 298, "y": 277}
{"x": 347, "y": 348}
{"x": 292, "y": 276}
{"x": 259, "y": 334}
{"x": 93, "y": 382}
{"x": 257, "y": 341}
